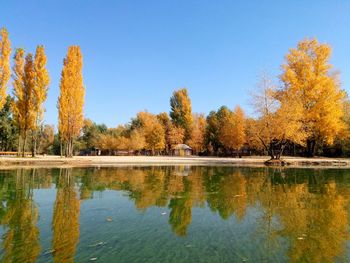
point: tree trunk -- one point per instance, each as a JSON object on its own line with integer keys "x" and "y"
{"x": 19, "y": 146}
{"x": 311, "y": 148}
{"x": 24, "y": 144}
{"x": 34, "y": 142}
{"x": 61, "y": 148}
{"x": 70, "y": 148}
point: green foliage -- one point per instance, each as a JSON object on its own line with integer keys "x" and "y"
{"x": 8, "y": 130}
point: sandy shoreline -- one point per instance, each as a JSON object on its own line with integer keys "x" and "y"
{"x": 80, "y": 161}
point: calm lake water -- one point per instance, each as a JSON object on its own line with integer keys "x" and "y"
{"x": 174, "y": 214}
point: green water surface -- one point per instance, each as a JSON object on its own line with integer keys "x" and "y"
{"x": 174, "y": 214}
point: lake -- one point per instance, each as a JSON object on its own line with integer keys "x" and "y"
{"x": 174, "y": 214}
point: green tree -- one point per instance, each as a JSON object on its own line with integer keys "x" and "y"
{"x": 8, "y": 130}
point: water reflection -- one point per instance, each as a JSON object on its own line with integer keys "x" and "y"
{"x": 65, "y": 223}
{"x": 305, "y": 210}
{"x": 19, "y": 216}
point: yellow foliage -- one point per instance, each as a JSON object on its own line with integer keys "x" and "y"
{"x": 24, "y": 85}
{"x": 239, "y": 128}
{"x": 153, "y": 131}
{"x": 5, "y": 71}
{"x": 42, "y": 81}
{"x": 231, "y": 128}
{"x": 71, "y": 100}
{"x": 279, "y": 120}
{"x": 307, "y": 78}
{"x": 197, "y": 141}
{"x": 181, "y": 111}
{"x": 175, "y": 135}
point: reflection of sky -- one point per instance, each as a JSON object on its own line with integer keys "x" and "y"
{"x": 45, "y": 199}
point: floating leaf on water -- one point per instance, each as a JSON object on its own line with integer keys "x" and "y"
{"x": 49, "y": 251}
{"x": 98, "y": 244}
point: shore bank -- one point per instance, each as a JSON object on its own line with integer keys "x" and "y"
{"x": 80, "y": 161}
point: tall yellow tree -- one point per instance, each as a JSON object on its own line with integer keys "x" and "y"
{"x": 307, "y": 77}
{"x": 181, "y": 111}
{"x": 42, "y": 81}
{"x": 23, "y": 106}
{"x": 197, "y": 141}
{"x": 71, "y": 100}
{"x": 5, "y": 69}
{"x": 239, "y": 128}
{"x": 279, "y": 120}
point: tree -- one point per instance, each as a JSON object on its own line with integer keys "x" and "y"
{"x": 181, "y": 111}
{"x": 239, "y": 128}
{"x": 136, "y": 140}
{"x": 71, "y": 100}
{"x": 24, "y": 84}
{"x": 91, "y": 132}
{"x": 5, "y": 69}
{"x": 153, "y": 131}
{"x": 212, "y": 133}
{"x": 307, "y": 78}
{"x": 46, "y": 137}
{"x": 8, "y": 130}
{"x": 197, "y": 141}
{"x": 164, "y": 119}
{"x": 42, "y": 81}
{"x": 279, "y": 120}
{"x": 226, "y": 126}
{"x": 175, "y": 135}
{"x": 231, "y": 131}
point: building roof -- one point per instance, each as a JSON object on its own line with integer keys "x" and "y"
{"x": 181, "y": 147}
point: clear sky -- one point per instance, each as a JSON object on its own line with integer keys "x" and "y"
{"x": 136, "y": 53}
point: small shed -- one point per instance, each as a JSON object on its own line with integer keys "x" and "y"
{"x": 181, "y": 150}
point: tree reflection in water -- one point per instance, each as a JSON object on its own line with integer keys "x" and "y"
{"x": 65, "y": 223}
{"x": 306, "y": 208}
{"x": 19, "y": 216}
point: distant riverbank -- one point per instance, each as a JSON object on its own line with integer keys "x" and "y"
{"x": 81, "y": 161}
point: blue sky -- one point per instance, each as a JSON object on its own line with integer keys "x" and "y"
{"x": 136, "y": 53}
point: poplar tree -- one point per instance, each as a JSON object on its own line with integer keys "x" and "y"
{"x": 197, "y": 141}
{"x": 71, "y": 99}
{"x": 42, "y": 81}
{"x": 23, "y": 106}
{"x": 5, "y": 69}
{"x": 239, "y": 128}
{"x": 181, "y": 111}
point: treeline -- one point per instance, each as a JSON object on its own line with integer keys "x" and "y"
{"x": 21, "y": 115}
{"x": 307, "y": 113}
